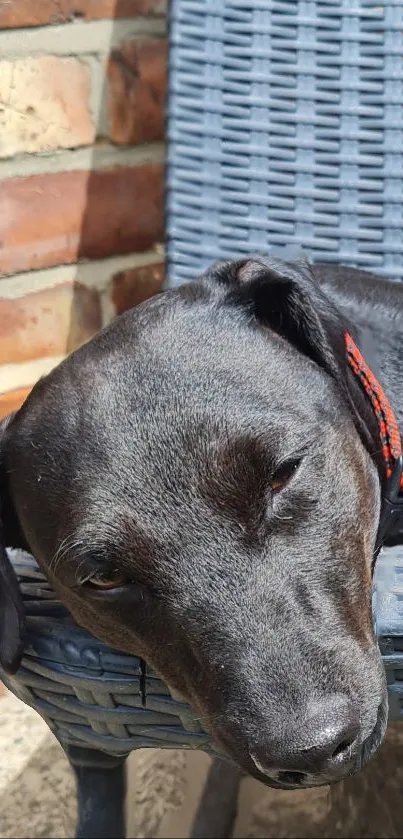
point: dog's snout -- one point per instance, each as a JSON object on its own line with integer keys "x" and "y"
{"x": 322, "y": 744}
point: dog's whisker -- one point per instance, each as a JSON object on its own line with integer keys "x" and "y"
{"x": 58, "y": 554}
{"x": 69, "y": 545}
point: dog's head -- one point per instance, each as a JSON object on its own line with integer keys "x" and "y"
{"x": 196, "y": 483}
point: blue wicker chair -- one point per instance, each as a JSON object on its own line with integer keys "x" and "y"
{"x": 285, "y": 127}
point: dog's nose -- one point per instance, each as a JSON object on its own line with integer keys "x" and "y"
{"x": 323, "y": 743}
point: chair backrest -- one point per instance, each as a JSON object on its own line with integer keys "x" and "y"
{"x": 285, "y": 127}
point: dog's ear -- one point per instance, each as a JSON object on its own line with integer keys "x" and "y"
{"x": 286, "y": 297}
{"x": 12, "y": 614}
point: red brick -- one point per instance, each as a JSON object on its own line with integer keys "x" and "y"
{"x": 51, "y": 219}
{"x": 130, "y": 287}
{"x": 137, "y": 87}
{"x": 12, "y": 400}
{"x": 47, "y": 323}
{"x": 16, "y": 13}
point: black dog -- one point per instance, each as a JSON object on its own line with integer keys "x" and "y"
{"x": 201, "y": 483}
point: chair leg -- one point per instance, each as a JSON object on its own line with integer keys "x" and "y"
{"x": 101, "y": 792}
{"x": 216, "y": 813}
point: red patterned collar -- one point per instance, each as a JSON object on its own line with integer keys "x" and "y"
{"x": 391, "y": 521}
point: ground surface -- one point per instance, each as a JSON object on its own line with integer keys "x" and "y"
{"x": 37, "y": 792}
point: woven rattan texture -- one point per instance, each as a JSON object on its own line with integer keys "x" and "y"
{"x": 285, "y": 126}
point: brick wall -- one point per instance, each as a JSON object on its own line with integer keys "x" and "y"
{"x": 82, "y": 86}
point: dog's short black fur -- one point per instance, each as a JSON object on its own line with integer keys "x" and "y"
{"x": 212, "y": 459}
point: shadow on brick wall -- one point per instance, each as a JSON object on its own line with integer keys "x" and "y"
{"x": 84, "y": 203}
{"x": 122, "y": 191}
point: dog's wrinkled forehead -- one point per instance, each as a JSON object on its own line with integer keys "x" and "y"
{"x": 149, "y": 397}
{"x": 191, "y": 380}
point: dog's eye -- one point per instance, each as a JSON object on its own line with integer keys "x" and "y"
{"x": 107, "y": 579}
{"x": 284, "y": 474}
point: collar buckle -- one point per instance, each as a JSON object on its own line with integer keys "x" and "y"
{"x": 391, "y": 518}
